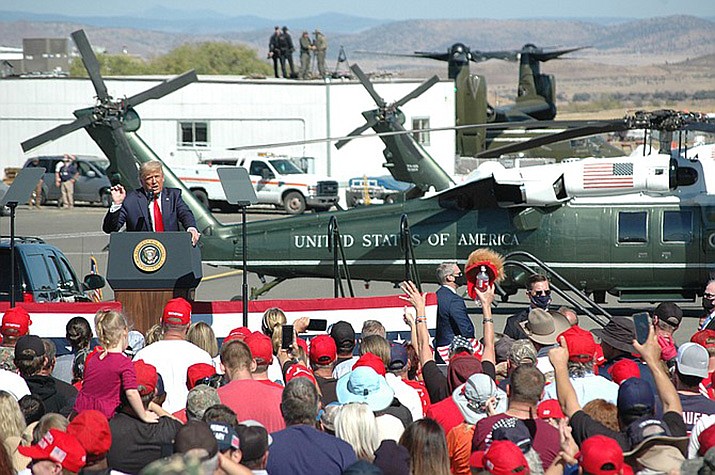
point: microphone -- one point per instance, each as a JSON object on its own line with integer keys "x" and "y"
{"x": 150, "y": 195}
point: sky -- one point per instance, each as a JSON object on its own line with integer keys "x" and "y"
{"x": 394, "y": 9}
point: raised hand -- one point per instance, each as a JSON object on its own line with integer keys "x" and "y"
{"x": 118, "y": 194}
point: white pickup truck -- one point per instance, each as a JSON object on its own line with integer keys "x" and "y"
{"x": 277, "y": 180}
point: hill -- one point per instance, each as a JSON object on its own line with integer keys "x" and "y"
{"x": 677, "y": 36}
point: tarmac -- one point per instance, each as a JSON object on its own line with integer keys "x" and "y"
{"x": 77, "y": 232}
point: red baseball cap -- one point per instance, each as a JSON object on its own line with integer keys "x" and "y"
{"x": 300, "y": 371}
{"x": 624, "y": 369}
{"x": 177, "y": 312}
{"x": 16, "y": 321}
{"x": 598, "y": 451}
{"x": 323, "y": 350}
{"x": 476, "y": 460}
{"x": 147, "y": 377}
{"x": 198, "y": 371}
{"x": 261, "y": 347}
{"x": 373, "y": 361}
{"x": 580, "y": 343}
{"x": 239, "y": 333}
{"x": 550, "y": 409}
{"x": 91, "y": 429}
{"x": 59, "y": 447}
{"x": 504, "y": 457}
{"x": 706, "y": 439}
{"x": 705, "y": 338}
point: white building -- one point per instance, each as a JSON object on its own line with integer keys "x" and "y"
{"x": 204, "y": 119}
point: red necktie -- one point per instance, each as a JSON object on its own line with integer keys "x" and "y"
{"x": 158, "y": 219}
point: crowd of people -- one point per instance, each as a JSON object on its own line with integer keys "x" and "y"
{"x": 281, "y": 49}
{"x": 551, "y": 401}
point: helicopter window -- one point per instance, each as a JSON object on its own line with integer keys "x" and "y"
{"x": 677, "y": 226}
{"x": 418, "y": 124}
{"x": 686, "y": 176}
{"x": 193, "y": 134}
{"x": 633, "y": 227}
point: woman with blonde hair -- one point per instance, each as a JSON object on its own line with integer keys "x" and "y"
{"x": 202, "y": 335}
{"x": 355, "y": 423}
{"x": 12, "y": 425}
{"x": 154, "y": 334}
{"x": 378, "y": 346}
{"x": 272, "y": 325}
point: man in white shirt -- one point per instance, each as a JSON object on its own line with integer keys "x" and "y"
{"x": 173, "y": 355}
{"x": 587, "y": 385}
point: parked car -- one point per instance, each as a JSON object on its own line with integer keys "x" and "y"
{"x": 43, "y": 273}
{"x": 375, "y": 190}
{"x": 92, "y": 184}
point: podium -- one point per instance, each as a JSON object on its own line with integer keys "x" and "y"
{"x": 146, "y": 270}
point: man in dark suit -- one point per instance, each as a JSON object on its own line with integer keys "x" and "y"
{"x": 452, "y": 318}
{"x": 151, "y": 207}
{"x": 707, "y": 321}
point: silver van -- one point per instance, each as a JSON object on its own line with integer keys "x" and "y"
{"x": 92, "y": 184}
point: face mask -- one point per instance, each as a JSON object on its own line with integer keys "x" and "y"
{"x": 708, "y": 304}
{"x": 540, "y": 301}
{"x": 460, "y": 281}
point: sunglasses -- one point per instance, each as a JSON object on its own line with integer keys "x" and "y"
{"x": 541, "y": 292}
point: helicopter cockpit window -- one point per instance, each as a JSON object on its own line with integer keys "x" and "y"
{"x": 677, "y": 226}
{"x": 632, "y": 227}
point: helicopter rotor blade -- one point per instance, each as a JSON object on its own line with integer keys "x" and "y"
{"x": 544, "y": 56}
{"x": 57, "y": 132}
{"x": 614, "y": 126}
{"x": 421, "y": 89}
{"x": 481, "y": 56}
{"x": 162, "y": 89}
{"x": 368, "y": 85}
{"x": 90, "y": 63}
{"x": 368, "y": 124}
{"x": 707, "y": 127}
{"x": 431, "y": 55}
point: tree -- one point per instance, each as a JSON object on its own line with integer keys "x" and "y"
{"x": 220, "y": 58}
{"x": 217, "y": 58}
{"x": 113, "y": 65}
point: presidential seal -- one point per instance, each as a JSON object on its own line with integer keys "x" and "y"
{"x": 149, "y": 255}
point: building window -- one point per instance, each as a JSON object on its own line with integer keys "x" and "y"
{"x": 193, "y": 134}
{"x": 421, "y": 123}
{"x": 632, "y": 227}
{"x": 677, "y": 226}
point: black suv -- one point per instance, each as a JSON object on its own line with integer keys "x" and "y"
{"x": 92, "y": 184}
{"x": 42, "y": 273}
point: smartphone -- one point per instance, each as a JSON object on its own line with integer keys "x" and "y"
{"x": 317, "y": 325}
{"x": 642, "y": 324}
{"x": 287, "y": 337}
